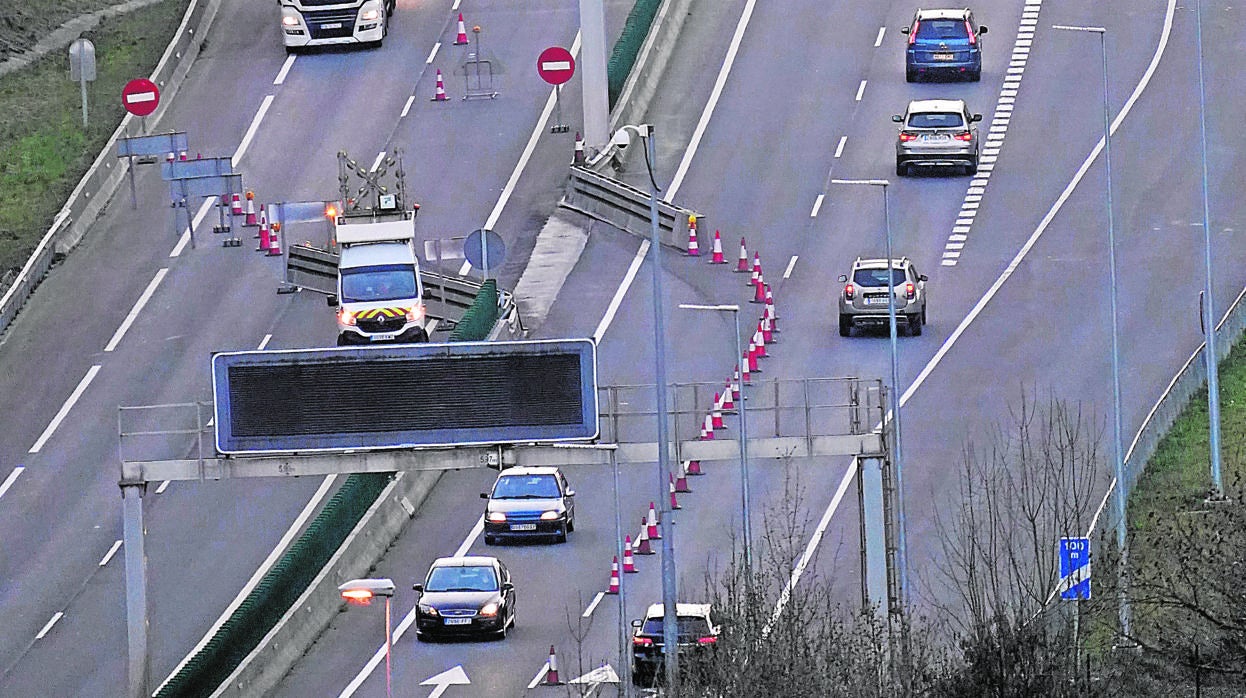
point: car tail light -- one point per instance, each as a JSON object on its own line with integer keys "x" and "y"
{"x": 849, "y": 292}
{"x": 906, "y": 136}
{"x": 910, "y": 291}
{"x": 973, "y": 40}
{"x": 642, "y": 642}
{"x": 707, "y": 640}
{"x": 964, "y": 136}
{"x": 913, "y": 33}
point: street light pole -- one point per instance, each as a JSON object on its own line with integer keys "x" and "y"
{"x": 1124, "y": 614}
{"x": 362, "y": 591}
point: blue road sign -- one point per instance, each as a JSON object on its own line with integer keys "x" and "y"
{"x": 1074, "y": 568}
{"x": 476, "y": 244}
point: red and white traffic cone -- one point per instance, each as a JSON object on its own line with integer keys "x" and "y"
{"x": 671, "y": 486}
{"x": 752, "y": 362}
{"x": 717, "y": 413}
{"x": 551, "y": 674}
{"x": 735, "y": 384}
{"x": 693, "y": 249}
{"x": 694, "y": 467}
{"x": 182, "y": 156}
{"x": 629, "y": 562}
{"x": 274, "y": 239}
{"x": 440, "y": 94}
{"x": 755, "y": 278}
{"x": 642, "y": 543}
{"x": 728, "y": 401}
{"x": 170, "y": 157}
{"x": 579, "y": 150}
{"x": 708, "y": 428}
{"x": 462, "y": 37}
{"x": 263, "y": 235}
{"x": 770, "y": 311}
{"x": 759, "y": 341}
{"x": 742, "y": 264}
{"x": 681, "y": 480}
{"x": 759, "y": 291}
{"x": 252, "y": 220}
{"x": 614, "y": 576}
{"x": 235, "y": 205}
{"x": 717, "y": 257}
{"x": 746, "y": 362}
{"x": 652, "y": 523}
{"x": 766, "y": 334}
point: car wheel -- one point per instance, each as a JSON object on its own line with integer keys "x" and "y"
{"x": 975, "y": 75}
{"x": 571, "y": 524}
{"x": 845, "y": 325}
{"x": 491, "y": 540}
{"x": 561, "y": 536}
{"x": 910, "y": 76}
{"x": 901, "y": 169}
{"x": 972, "y": 168}
{"x": 923, "y": 314}
{"x": 420, "y": 637}
{"x": 915, "y": 325}
{"x": 343, "y": 341}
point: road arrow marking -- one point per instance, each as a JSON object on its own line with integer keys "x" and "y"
{"x": 447, "y": 678}
{"x": 602, "y": 674}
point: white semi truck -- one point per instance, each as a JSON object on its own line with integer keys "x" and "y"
{"x": 326, "y": 22}
{"x": 380, "y": 295}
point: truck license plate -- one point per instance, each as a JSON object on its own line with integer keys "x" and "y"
{"x": 331, "y": 25}
{"x": 523, "y": 527}
{"x": 458, "y": 621}
{"x": 383, "y": 337}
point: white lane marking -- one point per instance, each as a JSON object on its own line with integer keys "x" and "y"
{"x": 264, "y": 342}
{"x": 811, "y": 548}
{"x": 285, "y": 69}
{"x": 540, "y": 675}
{"x": 790, "y": 266}
{"x": 55, "y": 617}
{"x": 509, "y": 188}
{"x": 879, "y": 41}
{"x": 111, "y": 551}
{"x": 406, "y": 109}
{"x": 65, "y": 408}
{"x": 163, "y": 486}
{"x": 326, "y": 486}
{"x": 432, "y": 54}
{"x": 255, "y": 125}
{"x": 182, "y": 242}
{"x": 407, "y": 620}
{"x": 455, "y": 6}
{"x": 138, "y": 308}
{"x": 12, "y": 478}
{"x": 377, "y": 163}
{"x": 621, "y": 291}
{"x": 708, "y": 111}
{"x": 839, "y": 149}
{"x": 817, "y": 206}
{"x": 593, "y": 606}
{"x": 860, "y": 90}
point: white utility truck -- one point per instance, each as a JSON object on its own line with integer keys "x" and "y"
{"x": 380, "y": 296}
{"x": 326, "y": 22}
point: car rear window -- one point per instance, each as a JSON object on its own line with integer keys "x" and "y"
{"x": 936, "y": 119}
{"x": 689, "y": 627}
{"x": 941, "y": 29}
{"x": 874, "y": 278}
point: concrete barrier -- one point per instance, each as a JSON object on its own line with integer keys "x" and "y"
{"x": 655, "y": 54}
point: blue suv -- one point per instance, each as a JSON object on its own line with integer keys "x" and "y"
{"x": 945, "y": 43}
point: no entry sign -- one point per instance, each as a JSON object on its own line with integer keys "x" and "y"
{"x": 555, "y": 65}
{"x": 140, "y": 96}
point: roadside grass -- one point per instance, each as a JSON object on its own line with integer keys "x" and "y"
{"x": 44, "y": 150}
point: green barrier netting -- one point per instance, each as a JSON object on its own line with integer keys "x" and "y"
{"x": 287, "y": 580}
{"x": 627, "y": 48}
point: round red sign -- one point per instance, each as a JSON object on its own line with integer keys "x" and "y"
{"x": 555, "y": 65}
{"x": 140, "y": 96}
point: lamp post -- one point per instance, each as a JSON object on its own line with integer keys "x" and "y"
{"x": 1118, "y": 457}
{"x": 902, "y": 554}
{"x": 744, "y": 495}
{"x": 361, "y": 591}
{"x": 670, "y": 631}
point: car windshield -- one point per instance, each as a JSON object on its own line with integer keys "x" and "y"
{"x": 873, "y": 278}
{"x": 462, "y": 579}
{"x": 941, "y": 29}
{"x": 379, "y": 283}
{"x": 526, "y": 487}
{"x": 936, "y": 119}
{"x": 689, "y": 627}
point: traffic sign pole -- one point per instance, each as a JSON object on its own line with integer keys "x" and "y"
{"x": 556, "y": 65}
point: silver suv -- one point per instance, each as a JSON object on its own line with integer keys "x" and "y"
{"x": 863, "y": 301}
{"x": 937, "y": 133}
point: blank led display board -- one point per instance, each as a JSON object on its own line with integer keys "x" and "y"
{"x": 405, "y": 396}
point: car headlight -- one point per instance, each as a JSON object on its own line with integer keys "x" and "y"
{"x": 415, "y": 314}
{"x": 497, "y": 517}
{"x": 428, "y": 610}
{"x": 370, "y": 12}
{"x": 490, "y": 609}
{"x": 289, "y": 20}
{"x": 551, "y": 515}
{"x": 346, "y": 317}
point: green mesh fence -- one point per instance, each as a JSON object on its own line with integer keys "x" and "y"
{"x": 627, "y": 48}
{"x": 287, "y": 580}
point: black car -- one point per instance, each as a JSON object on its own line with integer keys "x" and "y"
{"x": 465, "y": 596}
{"x": 698, "y": 636}
{"x": 529, "y": 502}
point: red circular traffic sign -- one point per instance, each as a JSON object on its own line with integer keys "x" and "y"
{"x": 140, "y": 96}
{"x": 555, "y": 65}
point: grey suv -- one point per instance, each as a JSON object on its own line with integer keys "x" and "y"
{"x": 863, "y": 300}
{"x": 937, "y": 133}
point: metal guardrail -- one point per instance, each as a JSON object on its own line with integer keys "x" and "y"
{"x": 625, "y": 207}
{"x": 311, "y": 268}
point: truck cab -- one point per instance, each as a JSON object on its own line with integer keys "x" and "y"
{"x": 327, "y": 22}
{"x": 380, "y": 295}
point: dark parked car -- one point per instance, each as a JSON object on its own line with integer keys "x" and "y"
{"x": 698, "y": 636}
{"x": 465, "y": 596}
{"x": 529, "y": 502}
{"x": 944, "y": 42}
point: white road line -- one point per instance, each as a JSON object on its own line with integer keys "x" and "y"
{"x": 817, "y": 206}
{"x": 65, "y": 408}
{"x": 790, "y": 266}
{"x": 432, "y": 54}
{"x": 621, "y": 291}
{"x": 860, "y": 90}
{"x": 708, "y": 111}
{"x": 406, "y": 109}
{"x": 111, "y": 551}
{"x": 185, "y": 239}
{"x": 593, "y": 606}
{"x": 264, "y": 342}
{"x": 326, "y": 486}
{"x": 839, "y": 149}
{"x": 879, "y": 41}
{"x": 377, "y": 163}
{"x": 540, "y": 675}
{"x": 285, "y": 69}
{"x": 455, "y": 6}
{"x": 57, "y": 616}
{"x": 163, "y": 486}
{"x": 138, "y": 307}
{"x": 12, "y": 478}
{"x": 255, "y": 125}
